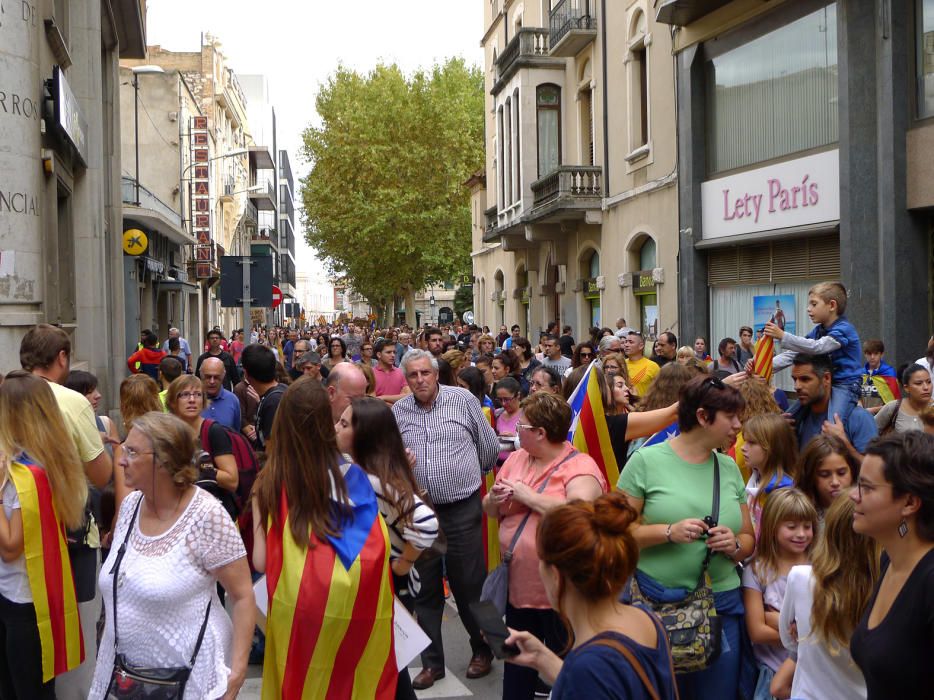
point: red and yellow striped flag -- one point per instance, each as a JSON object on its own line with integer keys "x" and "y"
{"x": 887, "y": 387}
{"x": 329, "y": 629}
{"x": 49, "y": 571}
{"x": 490, "y": 525}
{"x": 762, "y": 358}
{"x": 589, "y": 432}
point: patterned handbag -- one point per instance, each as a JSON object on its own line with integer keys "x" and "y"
{"x": 692, "y": 624}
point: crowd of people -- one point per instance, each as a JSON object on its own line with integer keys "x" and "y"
{"x": 750, "y": 546}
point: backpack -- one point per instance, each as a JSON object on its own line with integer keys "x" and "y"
{"x": 247, "y": 464}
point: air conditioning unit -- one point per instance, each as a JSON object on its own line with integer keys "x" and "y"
{"x": 601, "y": 282}
{"x": 658, "y": 275}
{"x": 625, "y": 279}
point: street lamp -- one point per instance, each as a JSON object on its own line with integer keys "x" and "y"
{"x": 137, "y": 71}
{"x": 229, "y": 154}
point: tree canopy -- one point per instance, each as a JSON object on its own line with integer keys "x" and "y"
{"x": 384, "y": 201}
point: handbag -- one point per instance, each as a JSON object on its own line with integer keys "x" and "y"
{"x": 128, "y": 682}
{"x": 496, "y": 585}
{"x": 692, "y": 624}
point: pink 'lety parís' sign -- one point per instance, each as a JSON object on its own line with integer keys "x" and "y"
{"x": 799, "y": 192}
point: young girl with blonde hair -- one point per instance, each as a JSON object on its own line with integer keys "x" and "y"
{"x": 825, "y": 601}
{"x": 788, "y": 524}
{"x": 770, "y": 450}
{"x": 43, "y": 489}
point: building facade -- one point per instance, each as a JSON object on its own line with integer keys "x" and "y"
{"x": 286, "y": 229}
{"x": 60, "y": 196}
{"x": 806, "y": 144}
{"x": 575, "y": 217}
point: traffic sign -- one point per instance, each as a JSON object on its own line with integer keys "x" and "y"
{"x": 276, "y": 296}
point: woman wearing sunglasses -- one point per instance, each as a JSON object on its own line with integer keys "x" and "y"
{"x": 546, "y": 471}
{"x": 671, "y": 486}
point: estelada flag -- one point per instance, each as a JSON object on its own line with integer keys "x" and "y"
{"x": 589, "y": 432}
{"x": 48, "y": 569}
{"x": 762, "y": 358}
{"x": 329, "y": 628}
{"x": 490, "y": 525}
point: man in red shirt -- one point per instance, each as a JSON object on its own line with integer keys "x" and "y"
{"x": 390, "y": 380}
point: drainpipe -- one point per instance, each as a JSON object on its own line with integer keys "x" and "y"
{"x": 606, "y": 108}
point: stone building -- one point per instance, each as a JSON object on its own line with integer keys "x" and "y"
{"x": 575, "y": 217}
{"x": 60, "y": 195}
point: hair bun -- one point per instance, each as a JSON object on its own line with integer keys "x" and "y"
{"x": 612, "y": 514}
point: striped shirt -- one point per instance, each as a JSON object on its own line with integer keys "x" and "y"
{"x": 452, "y": 441}
{"x": 420, "y": 533}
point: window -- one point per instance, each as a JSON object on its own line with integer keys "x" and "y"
{"x": 507, "y": 152}
{"x": 516, "y": 153}
{"x": 774, "y": 95}
{"x": 638, "y": 84}
{"x": 648, "y": 301}
{"x": 591, "y": 294}
{"x": 548, "y": 121}
{"x": 585, "y": 105}
{"x": 500, "y": 125}
{"x": 925, "y": 58}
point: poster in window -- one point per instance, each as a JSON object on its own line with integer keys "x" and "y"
{"x": 777, "y": 308}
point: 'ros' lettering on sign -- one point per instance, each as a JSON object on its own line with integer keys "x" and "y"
{"x": 19, "y": 106}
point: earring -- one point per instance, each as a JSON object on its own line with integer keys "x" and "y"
{"x": 902, "y": 528}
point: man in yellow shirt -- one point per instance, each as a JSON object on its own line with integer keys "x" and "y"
{"x": 642, "y": 371}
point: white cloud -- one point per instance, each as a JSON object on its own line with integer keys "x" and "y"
{"x": 297, "y": 44}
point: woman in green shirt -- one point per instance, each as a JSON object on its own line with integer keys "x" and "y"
{"x": 671, "y": 486}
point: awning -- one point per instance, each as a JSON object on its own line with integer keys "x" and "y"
{"x": 177, "y": 286}
{"x": 155, "y": 220}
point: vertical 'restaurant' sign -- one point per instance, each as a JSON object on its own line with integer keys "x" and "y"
{"x": 201, "y": 198}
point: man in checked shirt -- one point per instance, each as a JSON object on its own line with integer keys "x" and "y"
{"x": 453, "y": 444}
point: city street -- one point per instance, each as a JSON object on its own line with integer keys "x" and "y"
{"x": 453, "y": 685}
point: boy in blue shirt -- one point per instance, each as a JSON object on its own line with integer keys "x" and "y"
{"x": 833, "y": 335}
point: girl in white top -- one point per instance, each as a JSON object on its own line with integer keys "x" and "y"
{"x": 181, "y": 545}
{"x": 824, "y": 602}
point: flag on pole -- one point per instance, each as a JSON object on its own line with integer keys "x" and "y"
{"x": 329, "y": 627}
{"x": 589, "y": 432}
{"x": 762, "y": 358}
{"x": 490, "y": 525}
{"x": 48, "y": 571}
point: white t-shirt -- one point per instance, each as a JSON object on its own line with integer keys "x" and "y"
{"x": 819, "y": 675}
{"x": 163, "y": 592}
{"x": 14, "y": 583}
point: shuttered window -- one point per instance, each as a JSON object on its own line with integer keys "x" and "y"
{"x": 808, "y": 258}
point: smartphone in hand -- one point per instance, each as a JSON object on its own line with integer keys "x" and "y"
{"x": 494, "y": 629}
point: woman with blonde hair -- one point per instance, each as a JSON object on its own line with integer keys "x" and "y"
{"x": 43, "y": 490}
{"x": 160, "y": 585}
{"x": 824, "y": 601}
{"x": 770, "y": 451}
{"x": 320, "y": 539}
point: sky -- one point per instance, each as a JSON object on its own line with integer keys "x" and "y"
{"x": 297, "y": 44}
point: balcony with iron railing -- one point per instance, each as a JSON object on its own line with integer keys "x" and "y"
{"x": 527, "y": 49}
{"x": 567, "y": 190}
{"x": 572, "y": 26}
{"x": 148, "y": 200}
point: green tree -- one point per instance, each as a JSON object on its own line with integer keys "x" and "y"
{"x": 384, "y": 201}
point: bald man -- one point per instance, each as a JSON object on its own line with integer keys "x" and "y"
{"x": 345, "y": 383}
{"x": 219, "y": 404}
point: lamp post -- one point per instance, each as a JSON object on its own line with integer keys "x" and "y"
{"x": 137, "y": 71}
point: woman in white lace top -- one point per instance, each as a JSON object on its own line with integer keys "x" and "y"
{"x": 182, "y": 543}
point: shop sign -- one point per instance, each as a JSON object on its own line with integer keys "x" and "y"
{"x": 135, "y": 242}
{"x": 643, "y": 282}
{"x": 800, "y": 192}
{"x": 524, "y": 295}
{"x": 68, "y": 115}
{"x": 591, "y": 289}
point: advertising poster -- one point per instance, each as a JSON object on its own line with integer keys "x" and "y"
{"x": 777, "y": 308}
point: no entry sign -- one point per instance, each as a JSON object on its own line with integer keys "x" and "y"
{"x": 276, "y": 296}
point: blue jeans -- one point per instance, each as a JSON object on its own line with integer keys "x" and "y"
{"x": 721, "y": 680}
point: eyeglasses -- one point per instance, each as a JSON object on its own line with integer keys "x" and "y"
{"x": 185, "y": 395}
{"x": 862, "y": 485}
{"x": 504, "y": 399}
{"x": 586, "y": 355}
{"x": 525, "y": 426}
{"x": 712, "y": 382}
{"x": 132, "y": 454}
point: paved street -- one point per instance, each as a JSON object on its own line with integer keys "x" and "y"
{"x": 454, "y": 684}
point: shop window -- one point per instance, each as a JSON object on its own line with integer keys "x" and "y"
{"x": 548, "y": 119}
{"x": 648, "y": 299}
{"x": 591, "y": 294}
{"x": 774, "y": 95}
{"x": 925, "y": 26}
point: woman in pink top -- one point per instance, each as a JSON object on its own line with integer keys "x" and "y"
{"x": 544, "y": 458}
{"x": 510, "y": 415}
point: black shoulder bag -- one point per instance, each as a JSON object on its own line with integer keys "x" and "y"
{"x": 134, "y": 683}
{"x": 692, "y": 624}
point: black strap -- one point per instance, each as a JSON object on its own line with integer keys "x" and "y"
{"x": 515, "y": 538}
{"x": 115, "y": 572}
{"x": 714, "y": 508}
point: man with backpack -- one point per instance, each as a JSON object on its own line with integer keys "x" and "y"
{"x": 259, "y": 371}
{"x": 221, "y": 405}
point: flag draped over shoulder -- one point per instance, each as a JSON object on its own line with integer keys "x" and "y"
{"x": 490, "y": 525}
{"x": 762, "y": 358}
{"x": 329, "y": 631}
{"x": 48, "y": 569}
{"x": 589, "y": 432}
